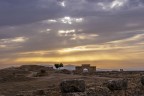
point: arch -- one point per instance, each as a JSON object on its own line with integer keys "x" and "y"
{"x": 85, "y": 70}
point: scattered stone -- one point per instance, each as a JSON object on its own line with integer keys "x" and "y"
{"x": 98, "y": 91}
{"x": 142, "y": 80}
{"x": 119, "y": 84}
{"x": 75, "y": 85}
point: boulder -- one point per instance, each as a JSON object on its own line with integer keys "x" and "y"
{"x": 75, "y": 85}
{"x": 98, "y": 91}
{"x": 118, "y": 84}
{"x": 142, "y": 80}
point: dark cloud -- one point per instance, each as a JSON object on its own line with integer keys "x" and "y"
{"x": 27, "y": 11}
{"x": 4, "y": 36}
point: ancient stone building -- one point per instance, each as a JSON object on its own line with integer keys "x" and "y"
{"x": 85, "y": 68}
{"x": 121, "y": 70}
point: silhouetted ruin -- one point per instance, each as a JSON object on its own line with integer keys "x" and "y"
{"x": 85, "y": 68}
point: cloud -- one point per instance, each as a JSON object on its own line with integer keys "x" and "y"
{"x": 42, "y": 29}
{"x": 7, "y": 44}
{"x": 65, "y": 20}
{"x": 138, "y": 37}
{"x": 24, "y": 12}
{"x": 66, "y": 32}
{"x": 27, "y": 11}
{"x": 84, "y": 36}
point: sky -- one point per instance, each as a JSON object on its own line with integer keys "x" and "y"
{"x": 104, "y": 33}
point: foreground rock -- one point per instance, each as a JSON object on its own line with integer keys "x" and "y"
{"x": 75, "y": 85}
{"x": 119, "y": 84}
{"x": 98, "y": 91}
{"x": 142, "y": 80}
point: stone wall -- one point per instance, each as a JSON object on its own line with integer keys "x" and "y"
{"x": 91, "y": 69}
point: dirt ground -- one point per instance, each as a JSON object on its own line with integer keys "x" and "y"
{"x": 52, "y": 81}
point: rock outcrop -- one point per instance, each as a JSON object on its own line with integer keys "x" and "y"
{"x": 142, "y": 80}
{"x": 98, "y": 91}
{"x": 118, "y": 84}
{"x": 74, "y": 85}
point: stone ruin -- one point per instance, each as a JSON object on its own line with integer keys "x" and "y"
{"x": 119, "y": 84}
{"x": 73, "y": 87}
{"x": 142, "y": 80}
{"x": 85, "y": 68}
{"x": 77, "y": 87}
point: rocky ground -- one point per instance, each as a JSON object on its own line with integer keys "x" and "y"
{"x": 28, "y": 83}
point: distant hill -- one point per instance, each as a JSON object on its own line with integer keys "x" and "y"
{"x": 100, "y": 69}
{"x": 69, "y": 67}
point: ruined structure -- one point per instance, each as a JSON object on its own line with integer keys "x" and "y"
{"x": 121, "y": 70}
{"x": 85, "y": 68}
